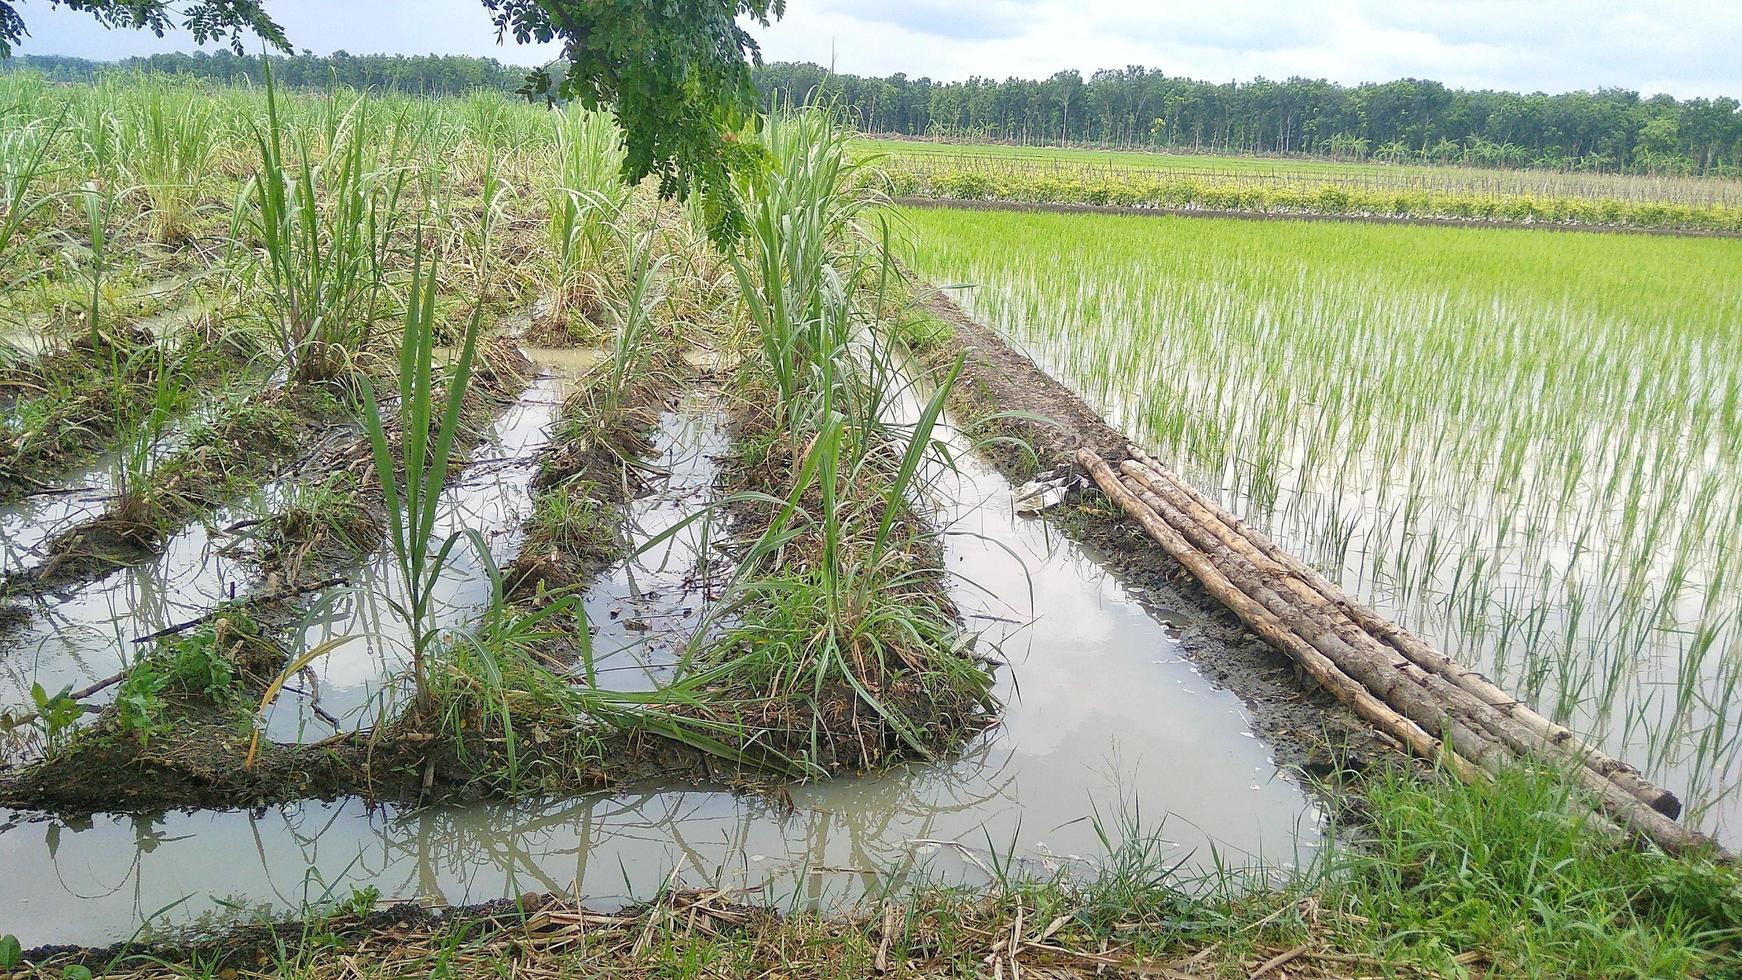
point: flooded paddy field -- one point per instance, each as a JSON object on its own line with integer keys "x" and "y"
{"x": 1518, "y": 444}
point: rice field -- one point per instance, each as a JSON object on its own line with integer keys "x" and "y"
{"x": 1526, "y": 446}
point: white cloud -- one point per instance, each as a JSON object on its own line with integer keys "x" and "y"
{"x": 1684, "y": 47}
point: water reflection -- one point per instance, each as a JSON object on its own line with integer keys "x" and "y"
{"x": 494, "y": 498}
{"x": 1104, "y": 716}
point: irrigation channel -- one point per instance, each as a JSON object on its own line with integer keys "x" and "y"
{"x": 1105, "y": 719}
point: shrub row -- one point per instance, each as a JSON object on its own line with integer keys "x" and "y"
{"x": 1192, "y": 193}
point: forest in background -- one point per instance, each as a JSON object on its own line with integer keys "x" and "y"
{"x": 1403, "y": 121}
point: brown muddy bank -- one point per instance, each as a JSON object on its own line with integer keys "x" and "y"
{"x": 936, "y": 934}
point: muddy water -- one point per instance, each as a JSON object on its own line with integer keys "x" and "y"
{"x": 83, "y": 637}
{"x": 88, "y": 636}
{"x": 28, "y": 524}
{"x": 1104, "y": 717}
{"x": 493, "y": 498}
{"x": 25, "y": 526}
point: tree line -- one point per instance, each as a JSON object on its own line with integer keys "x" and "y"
{"x": 432, "y": 74}
{"x": 1409, "y": 120}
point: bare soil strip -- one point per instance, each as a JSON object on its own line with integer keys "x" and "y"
{"x": 714, "y": 931}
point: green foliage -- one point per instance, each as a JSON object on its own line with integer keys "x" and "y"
{"x": 423, "y": 74}
{"x": 55, "y": 716}
{"x": 586, "y": 205}
{"x": 1397, "y": 122}
{"x": 24, "y": 159}
{"x": 140, "y": 704}
{"x": 166, "y": 149}
{"x": 11, "y": 953}
{"x": 859, "y": 608}
{"x": 675, "y": 74}
{"x": 922, "y": 331}
{"x": 412, "y": 478}
{"x": 1508, "y": 869}
{"x": 207, "y": 20}
{"x": 362, "y": 900}
{"x": 573, "y": 520}
{"x": 191, "y": 666}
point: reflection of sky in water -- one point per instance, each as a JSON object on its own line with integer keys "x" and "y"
{"x": 1103, "y": 717}
{"x": 85, "y": 634}
{"x": 494, "y": 498}
{"x": 89, "y": 636}
{"x": 27, "y": 525}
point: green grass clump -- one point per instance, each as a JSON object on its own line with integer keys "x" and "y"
{"x": 573, "y": 531}
{"x": 1505, "y": 870}
{"x": 180, "y": 668}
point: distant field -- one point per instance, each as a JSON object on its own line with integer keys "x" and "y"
{"x": 1522, "y": 444}
{"x": 1274, "y": 184}
{"x": 1131, "y": 159}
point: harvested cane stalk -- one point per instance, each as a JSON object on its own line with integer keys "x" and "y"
{"x": 1366, "y": 663}
{"x": 1427, "y": 699}
{"x": 1251, "y": 570}
{"x": 1345, "y": 688}
{"x": 1308, "y": 619}
{"x": 1562, "y": 742}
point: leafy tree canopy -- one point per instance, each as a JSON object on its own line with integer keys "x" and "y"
{"x": 675, "y": 72}
{"x": 207, "y": 20}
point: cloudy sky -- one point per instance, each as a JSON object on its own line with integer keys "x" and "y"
{"x": 1684, "y": 47}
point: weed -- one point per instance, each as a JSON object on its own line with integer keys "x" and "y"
{"x": 56, "y": 716}
{"x": 190, "y": 666}
{"x": 326, "y": 228}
